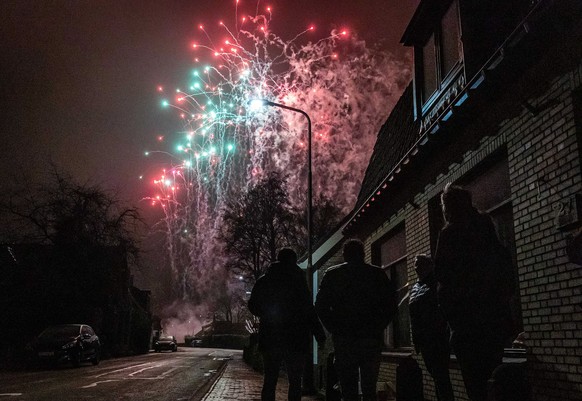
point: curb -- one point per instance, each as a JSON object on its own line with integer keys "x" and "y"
{"x": 202, "y": 391}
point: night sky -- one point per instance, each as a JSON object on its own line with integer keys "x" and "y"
{"x": 79, "y": 78}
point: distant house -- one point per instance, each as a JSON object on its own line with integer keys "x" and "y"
{"x": 495, "y": 106}
{"x": 218, "y": 327}
{"x": 40, "y": 287}
{"x": 223, "y": 334}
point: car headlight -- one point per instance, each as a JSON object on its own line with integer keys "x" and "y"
{"x": 70, "y": 345}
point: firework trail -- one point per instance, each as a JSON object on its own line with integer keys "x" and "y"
{"x": 347, "y": 89}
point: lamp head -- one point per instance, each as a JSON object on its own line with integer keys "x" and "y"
{"x": 257, "y": 104}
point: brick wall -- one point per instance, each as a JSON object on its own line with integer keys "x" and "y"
{"x": 544, "y": 161}
{"x": 544, "y": 164}
{"x": 544, "y": 167}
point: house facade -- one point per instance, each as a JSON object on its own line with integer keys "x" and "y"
{"x": 495, "y": 106}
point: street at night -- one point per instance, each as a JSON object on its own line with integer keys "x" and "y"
{"x": 161, "y": 376}
{"x": 240, "y": 200}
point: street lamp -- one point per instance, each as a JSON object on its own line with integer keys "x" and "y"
{"x": 256, "y": 104}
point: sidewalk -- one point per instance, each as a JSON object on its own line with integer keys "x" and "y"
{"x": 239, "y": 382}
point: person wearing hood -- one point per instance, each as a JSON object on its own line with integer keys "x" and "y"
{"x": 282, "y": 302}
{"x": 475, "y": 286}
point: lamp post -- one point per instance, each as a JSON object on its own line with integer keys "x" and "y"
{"x": 255, "y": 103}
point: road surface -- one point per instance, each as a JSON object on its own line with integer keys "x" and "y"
{"x": 166, "y": 376}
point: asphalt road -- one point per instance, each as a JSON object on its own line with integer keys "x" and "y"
{"x": 166, "y": 376}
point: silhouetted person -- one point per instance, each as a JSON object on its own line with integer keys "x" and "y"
{"x": 282, "y": 301}
{"x": 475, "y": 287}
{"x": 430, "y": 333}
{"x": 409, "y": 386}
{"x": 356, "y": 301}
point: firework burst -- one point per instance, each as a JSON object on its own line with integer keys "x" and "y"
{"x": 346, "y": 88}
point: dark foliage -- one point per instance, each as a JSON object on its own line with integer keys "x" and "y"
{"x": 68, "y": 214}
{"x": 65, "y": 259}
{"x": 257, "y": 224}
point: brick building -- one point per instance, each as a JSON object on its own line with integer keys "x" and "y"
{"x": 495, "y": 106}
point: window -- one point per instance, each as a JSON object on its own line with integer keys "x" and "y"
{"x": 441, "y": 52}
{"x": 390, "y": 253}
{"x": 450, "y": 39}
{"x": 429, "y": 72}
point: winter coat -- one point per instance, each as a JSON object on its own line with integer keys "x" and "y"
{"x": 475, "y": 281}
{"x": 281, "y": 300}
{"x": 356, "y": 301}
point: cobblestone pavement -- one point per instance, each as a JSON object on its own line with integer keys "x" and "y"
{"x": 239, "y": 382}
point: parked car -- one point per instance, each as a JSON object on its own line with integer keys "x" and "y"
{"x": 73, "y": 343}
{"x": 167, "y": 343}
{"x": 196, "y": 342}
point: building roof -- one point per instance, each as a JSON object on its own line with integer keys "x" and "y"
{"x": 402, "y": 142}
{"x": 398, "y": 134}
{"x": 420, "y": 26}
{"x": 396, "y": 137}
{"x": 326, "y": 246}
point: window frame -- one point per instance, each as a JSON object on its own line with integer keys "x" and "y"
{"x": 443, "y": 78}
{"x": 400, "y": 322}
{"x": 392, "y": 334}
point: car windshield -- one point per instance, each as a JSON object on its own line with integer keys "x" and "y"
{"x": 167, "y": 338}
{"x": 61, "y": 331}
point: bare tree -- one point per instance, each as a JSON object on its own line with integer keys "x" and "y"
{"x": 326, "y": 215}
{"x": 85, "y": 239}
{"x": 258, "y": 223}
{"x": 65, "y": 213}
